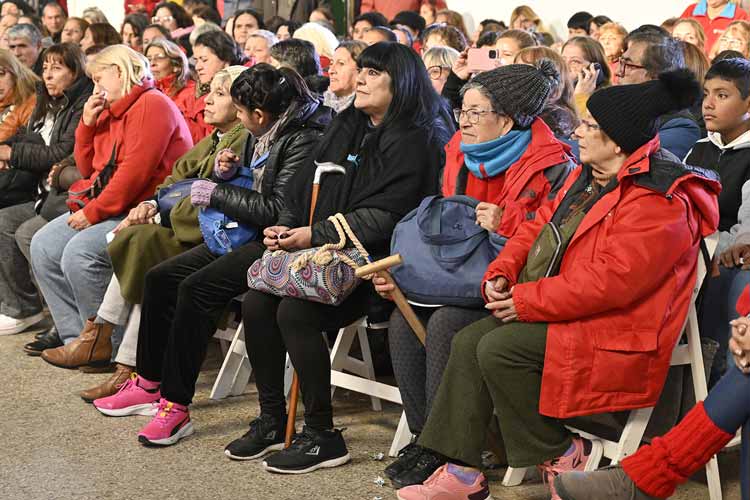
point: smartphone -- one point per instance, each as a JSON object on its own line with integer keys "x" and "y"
{"x": 600, "y": 75}
{"x": 483, "y": 59}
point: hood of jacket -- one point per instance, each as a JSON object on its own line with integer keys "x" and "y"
{"x": 742, "y": 142}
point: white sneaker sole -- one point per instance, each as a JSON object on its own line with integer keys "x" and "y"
{"x": 24, "y": 324}
{"x": 184, "y": 432}
{"x": 398, "y": 495}
{"x": 146, "y": 409}
{"x": 334, "y": 462}
{"x": 266, "y": 451}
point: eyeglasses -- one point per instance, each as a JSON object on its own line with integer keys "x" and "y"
{"x": 626, "y": 66}
{"x": 154, "y": 59}
{"x": 158, "y": 20}
{"x": 733, "y": 43}
{"x": 472, "y": 115}
{"x": 435, "y": 72}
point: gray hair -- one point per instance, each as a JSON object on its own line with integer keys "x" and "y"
{"x": 28, "y": 31}
{"x": 269, "y": 37}
{"x": 203, "y": 28}
{"x": 440, "y": 56}
{"x": 494, "y": 102}
{"x": 94, "y": 15}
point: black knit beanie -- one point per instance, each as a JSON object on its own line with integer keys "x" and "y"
{"x": 629, "y": 114}
{"x": 520, "y": 89}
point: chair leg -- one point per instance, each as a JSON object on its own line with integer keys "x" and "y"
{"x": 364, "y": 346}
{"x": 233, "y": 369}
{"x": 401, "y": 438}
{"x": 514, "y": 476}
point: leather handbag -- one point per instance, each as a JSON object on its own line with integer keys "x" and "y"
{"x": 82, "y": 191}
{"x": 445, "y": 253}
{"x": 323, "y": 274}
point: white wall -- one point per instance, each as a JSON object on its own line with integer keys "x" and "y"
{"x": 630, "y": 13}
{"x": 113, "y": 9}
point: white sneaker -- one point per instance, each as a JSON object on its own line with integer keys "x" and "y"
{"x": 12, "y": 326}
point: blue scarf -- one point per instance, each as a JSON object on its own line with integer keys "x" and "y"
{"x": 491, "y": 158}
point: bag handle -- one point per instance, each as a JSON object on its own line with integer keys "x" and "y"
{"x": 324, "y": 255}
{"x": 429, "y": 220}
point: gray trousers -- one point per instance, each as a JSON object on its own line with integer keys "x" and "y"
{"x": 18, "y": 295}
{"x": 419, "y": 368}
{"x": 73, "y": 270}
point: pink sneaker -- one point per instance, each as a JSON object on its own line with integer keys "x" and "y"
{"x": 442, "y": 485}
{"x": 131, "y": 399}
{"x": 585, "y": 456}
{"x": 171, "y": 423}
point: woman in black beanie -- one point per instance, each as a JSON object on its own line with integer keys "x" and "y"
{"x": 587, "y": 299}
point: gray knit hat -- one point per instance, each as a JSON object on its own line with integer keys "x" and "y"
{"x": 519, "y": 90}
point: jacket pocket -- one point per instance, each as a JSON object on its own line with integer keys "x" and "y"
{"x": 622, "y": 359}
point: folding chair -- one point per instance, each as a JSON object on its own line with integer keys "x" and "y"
{"x": 688, "y": 353}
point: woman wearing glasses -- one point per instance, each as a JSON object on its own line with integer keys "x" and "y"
{"x": 439, "y": 61}
{"x": 736, "y": 37}
{"x": 179, "y": 23}
{"x": 510, "y": 161}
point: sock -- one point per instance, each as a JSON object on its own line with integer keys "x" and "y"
{"x": 148, "y": 385}
{"x": 670, "y": 460}
{"x": 466, "y": 475}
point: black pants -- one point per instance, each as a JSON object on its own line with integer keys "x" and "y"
{"x": 183, "y": 301}
{"x": 275, "y": 325}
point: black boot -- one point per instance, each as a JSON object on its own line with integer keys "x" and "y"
{"x": 426, "y": 464}
{"x": 48, "y": 340}
{"x": 407, "y": 459}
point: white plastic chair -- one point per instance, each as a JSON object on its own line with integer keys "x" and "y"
{"x": 688, "y": 353}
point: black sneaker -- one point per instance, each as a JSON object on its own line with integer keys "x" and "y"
{"x": 427, "y": 463}
{"x": 407, "y": 458}
{"x": 310, "y": 451}
{"x": 266, "y": 434}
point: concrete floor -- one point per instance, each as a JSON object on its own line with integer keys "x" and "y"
{"x": 54, "y": 446}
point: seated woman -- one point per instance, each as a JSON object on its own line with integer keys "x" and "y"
{"x": 343, "y": 75}
{"x": 132, "y": 30}
{"x": 439, "y": 61}
{"x": 574, "y": 328}
{"x": 499, "y": 120}
{"x": 99, "y": 34}
{"x": 588, "y": 67}
{"x": 73, "y": 30}
{"x": 213, "y": 51}
{"x": 656, "y": 470}
{"x": 184, "y": 297}
{"x": 17, "y": 96}
{"x": 393, "y": 138}
{"x": 31, "y": 153}
{"x": 257, "y": 48}
{"x": 141, "y": 243}
{"x": 128, "y": 124}
{"x": 171, "y": 71}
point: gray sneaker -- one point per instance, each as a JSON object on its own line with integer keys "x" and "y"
{"x": 608, "y": 482}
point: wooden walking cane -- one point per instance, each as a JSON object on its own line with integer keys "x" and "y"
{"x": 322, "y": 168}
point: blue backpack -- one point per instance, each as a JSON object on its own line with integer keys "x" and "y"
{"x": 223, "y": 234}
{"x": 445, "y": 252}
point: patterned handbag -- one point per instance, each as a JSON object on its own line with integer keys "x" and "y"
{"x": 324, "y": 274}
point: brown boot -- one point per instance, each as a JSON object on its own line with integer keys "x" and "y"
{"x": 110, "y": 386}
{"x": 92, "y": 347}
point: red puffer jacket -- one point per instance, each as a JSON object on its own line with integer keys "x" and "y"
{"x": 149, "y": 134}
{"x": 619, "y": 302}
{"x": 535, "y": 178}
{"x": 192, "y": 107}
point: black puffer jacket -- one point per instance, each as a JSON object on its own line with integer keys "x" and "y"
{"x": 291, "y": 150}
{"x": 30, "y": 158}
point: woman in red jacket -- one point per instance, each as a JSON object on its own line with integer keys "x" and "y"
{"x": 505, "y": 157}
{"x": 129, "y": 136}
{"x": 169, "y": 66}
{"x": 587, "y": 300}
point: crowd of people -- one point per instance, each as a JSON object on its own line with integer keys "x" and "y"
{"x": 600, "y": 159}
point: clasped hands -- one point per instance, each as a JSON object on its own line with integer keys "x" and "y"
{"x": 739, "y": 344}
{"x": 500, "y": 300}
{"x": 284, "y": 238}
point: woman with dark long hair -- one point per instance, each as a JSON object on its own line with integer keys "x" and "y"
{"x": 390, "y": 143}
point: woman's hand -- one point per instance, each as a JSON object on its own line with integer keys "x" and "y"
{"x": 271, "y": 237}
{"x": 587, "y": 80}
{"x": 500, "y": 300}
{"x": 5, "y": 152}
{"x": 383, "y": 287}
{"x": 298, "y": 238}
{"x": 53, "y": 173}
{"x": 736, "y": 256}
{"x": 489, "y": 216}
{"x": 461, "y": 65}
{"x": 496, "y": 290}
{"x": 78, "y": 221}
{"x": 143, "y": 213}
{"x": 93, "y": 108}
{"x": 226, "y": 164}
{"x": 739, "y": 344}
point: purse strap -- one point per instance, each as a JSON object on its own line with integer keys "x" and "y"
{"x": 324, "y": 255}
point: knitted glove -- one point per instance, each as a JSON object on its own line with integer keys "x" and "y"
{"x": 200, "y": 193}
{"x": 224, "y": 176}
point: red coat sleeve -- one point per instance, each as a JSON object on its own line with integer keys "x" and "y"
{"x": 83, "y": 151}
{"x": 629, "y": 262}
{"x": 139, "y": 157}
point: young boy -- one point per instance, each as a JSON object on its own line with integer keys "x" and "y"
{"x": 726, "y": 111}
{"x": 579, "y": 24}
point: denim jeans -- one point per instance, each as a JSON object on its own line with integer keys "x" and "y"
{"x": 728, "y": 406}
{"x": 73, "y": 270}
{"x": 717, "y": 310}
